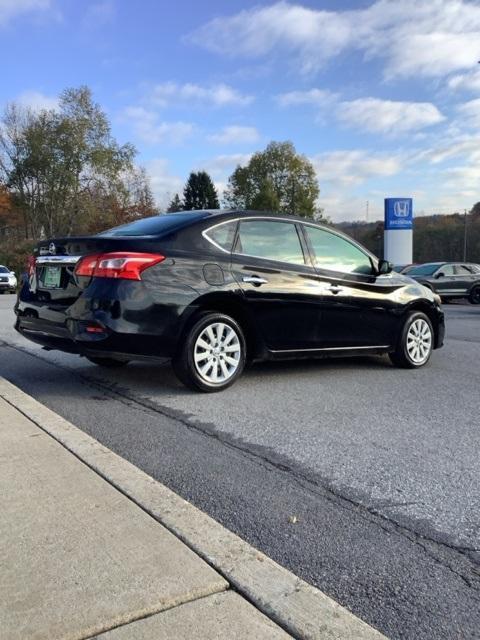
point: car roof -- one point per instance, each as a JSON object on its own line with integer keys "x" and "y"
{"x": 247, "y": 213}
{"x": 219, "y": 215}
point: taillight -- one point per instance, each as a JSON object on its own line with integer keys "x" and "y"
{"x": 86, "y": 266}
{"x": 124, "y": 265}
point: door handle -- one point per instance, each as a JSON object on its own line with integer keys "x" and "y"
{"x": 335, "y": 288}
{"x": 255, "y": 280}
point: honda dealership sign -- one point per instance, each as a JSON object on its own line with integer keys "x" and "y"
{"x": 398, "y": 230}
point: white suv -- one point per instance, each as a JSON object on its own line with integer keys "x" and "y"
{"x": 8, "y": 280}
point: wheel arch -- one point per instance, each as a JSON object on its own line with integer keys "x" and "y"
{"x": 429, "y": 310}
{"x": 473, "y": 286}
{"x": 232, "y": 305}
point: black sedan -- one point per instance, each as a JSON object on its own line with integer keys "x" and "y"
{"x": 450, "y": 279}
{"x": 212, "y": 290}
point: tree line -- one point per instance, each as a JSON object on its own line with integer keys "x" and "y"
{"x": 435, "y": 238}
{"x": 276, "y": 179}
{"x": 63, "y": 173}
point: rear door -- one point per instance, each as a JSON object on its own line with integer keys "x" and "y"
{"x": 357, "y": 303}
{"x": 446, "y": 281}
{"x": 272, "y": 267}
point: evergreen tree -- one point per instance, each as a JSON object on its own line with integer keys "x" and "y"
{"x": 200, "y": 192}
{"x": 175, "y": 204}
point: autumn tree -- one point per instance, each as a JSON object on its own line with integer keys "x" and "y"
{"x": 200, "y": 192}
{"x": 66, "y": 171}
{"x": 276, "y": 179}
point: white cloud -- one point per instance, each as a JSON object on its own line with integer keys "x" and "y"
{"x": 223, "y": 165}
{"x": 235, "y": 134}
{"x": 413, "y": 37}
{"x": 218, "y": 95}
{"x": 314, "y": 35}
{"x": 466, "y": 148}
{"x": 10, "y": 9}
{"x": 463, "y": 178}
{"x": 388, "y": 116}
{"x": 164, "y": 183}
{"x": 37, "y": 101}
{"x": 151, "y": 130}
{"x": 316, "y": 97}
{"x": 466, "y": 82}
{"x": 470, "y": 113}
{"x": 353, "y": 167}
{"x": 368, "y": 114}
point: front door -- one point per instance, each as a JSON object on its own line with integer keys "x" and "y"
{"x": 272, "y": 267}
{"x": 358, "y": 303}
{"x": 446, "y": 281}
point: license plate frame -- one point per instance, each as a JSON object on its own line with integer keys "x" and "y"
{"x": 52, "y": 277}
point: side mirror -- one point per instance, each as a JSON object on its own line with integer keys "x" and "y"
{"x": 384, "y": 267}
{"x": 440, "y": 275}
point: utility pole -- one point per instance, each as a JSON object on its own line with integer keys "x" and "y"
{"x": 465, "y": 236}
{"x": 366, "y": 211}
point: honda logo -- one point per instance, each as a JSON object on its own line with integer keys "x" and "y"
{"x": 401, "y": 208}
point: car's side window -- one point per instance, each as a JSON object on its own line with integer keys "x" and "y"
{"x": 222, "y": 235}
{"x": 463, "y": 270}
{"x": 271, "y": 240}
{"x": 447, "y": 270}
{"x": 337, "y": 254}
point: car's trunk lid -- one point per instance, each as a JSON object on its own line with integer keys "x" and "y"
{"x": 52, "y": 280}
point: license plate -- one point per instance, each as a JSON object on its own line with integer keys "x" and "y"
{"x": 51, "y": 277}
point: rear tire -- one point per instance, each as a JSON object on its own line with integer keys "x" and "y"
{"x": 415, "y": 344}
{"x": 474, "y": 296}
{"x": 212, "y": 353}
{"x": 109, "y": 363}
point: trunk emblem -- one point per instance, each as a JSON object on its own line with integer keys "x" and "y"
{"x": 52, "y": 249}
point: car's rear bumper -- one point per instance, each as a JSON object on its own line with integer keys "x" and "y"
{"x": 73, "y": 340}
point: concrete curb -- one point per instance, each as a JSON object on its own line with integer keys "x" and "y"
{"x": 300, "y": 609}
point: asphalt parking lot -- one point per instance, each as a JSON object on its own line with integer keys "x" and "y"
{"x": 380, "y": 466}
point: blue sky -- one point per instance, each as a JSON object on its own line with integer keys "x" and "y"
{"x": 383, "y": 97}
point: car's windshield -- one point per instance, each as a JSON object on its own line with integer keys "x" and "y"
{"x": 4, "y": 269}
{"x": 155, "y": 225}
{"x": 424, "y": 269}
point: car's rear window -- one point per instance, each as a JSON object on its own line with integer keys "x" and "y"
{"x": 424, "y": 269}
{"x": 155, "y": 225}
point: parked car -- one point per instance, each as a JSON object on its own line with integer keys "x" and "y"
{"x": 402, "y": 268}
{"x": 8, "y": 280}
{"x": 212, "y": 290}
{"x": 450, "y": 279}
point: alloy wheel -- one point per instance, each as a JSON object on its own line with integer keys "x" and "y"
{"x": 419, "y": 341}
{"x": 217, "y": 353}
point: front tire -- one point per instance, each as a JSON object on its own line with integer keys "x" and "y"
{"x": 474, "y": 296}
{"x": 415, "y": 344}
{"x": 212, "y": 353}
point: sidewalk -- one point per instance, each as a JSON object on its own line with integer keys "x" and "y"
{"x": 79, "y": 559}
